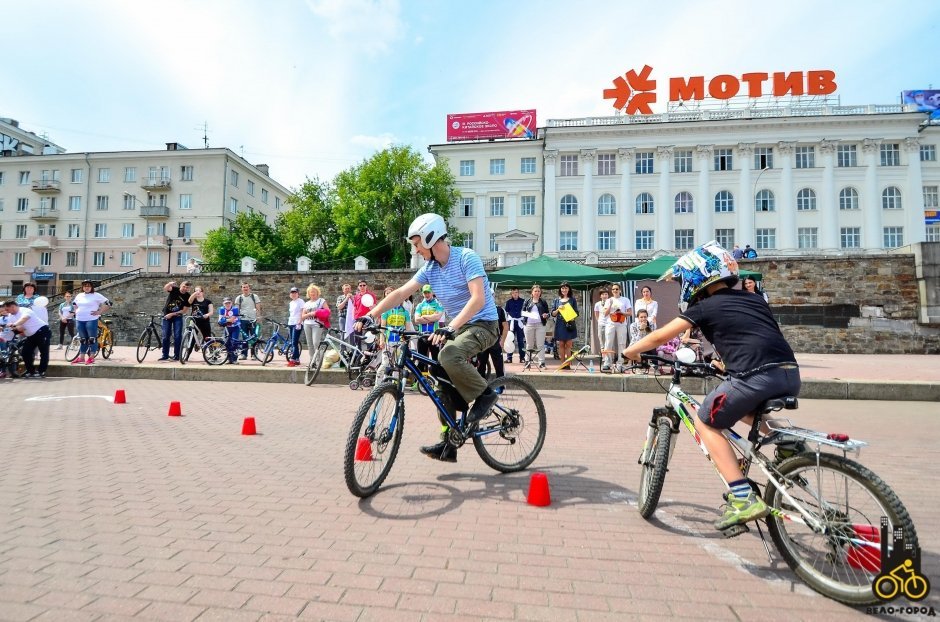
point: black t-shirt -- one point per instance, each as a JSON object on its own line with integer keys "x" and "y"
{"x": 202, "y": 307}
{"x": 175, "y": 301}
{"x": 742, "y": 329}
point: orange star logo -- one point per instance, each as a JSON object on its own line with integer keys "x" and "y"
{"x": 636, "y": 92}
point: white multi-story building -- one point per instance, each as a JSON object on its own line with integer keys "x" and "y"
{"x": 64, "y": 216}
{"x": 783, "y": 180}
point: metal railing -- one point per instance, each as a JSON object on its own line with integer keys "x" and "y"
{"x": 98, "y": 282}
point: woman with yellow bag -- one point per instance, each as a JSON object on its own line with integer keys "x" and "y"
{"x": 565, "y": 311}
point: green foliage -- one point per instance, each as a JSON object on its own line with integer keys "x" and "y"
{"x": 307, "y": 228}
{"x": 249, "y": 236}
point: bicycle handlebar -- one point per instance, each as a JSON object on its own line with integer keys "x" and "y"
{"x": 698, "y": 369}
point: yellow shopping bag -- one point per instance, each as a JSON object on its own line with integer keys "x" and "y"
{"x": 567, "y": 312}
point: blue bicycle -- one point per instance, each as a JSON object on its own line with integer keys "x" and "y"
{"x": 277, "y": 342}
{"x": 507, "y": 439}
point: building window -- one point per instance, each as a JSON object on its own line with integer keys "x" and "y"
{"x": 847, "y": 156}
{"x": 466, "y": 207}
{"x": 893, "y": 237}
{"x": 277, "y": 203}
{"x": 497, "y": 166}
{"x": 1, "y": 204}
{"x": 848, "y": 199}
{"x": 806, "y": 200}
{"x": 71, "y": 259}
{"x": 104, "y": 175}
{"x": 763, "y": 158}
{"x": 184, "y": 230}
{"x": 233, "y": 178}
{"x": 20, "y": 232}
{"x": 766, "y": 238}
{"x": 98, "y": 259}
{"x": 186, "y": 173}
{"x": 683, "y": 203}
{"x": 928, "y": 153}
{"x": 467, "y": 168}
{"x": 233, "y": 206}
{"x": 569, "y": 205}
{"x": 891, "y": 198}
{"x": 24, "y": 178}
{"x": 127, "y": 259}
{"x": 568, "y": 241}
{"x": 764, "y": 201}
{"x": 724, "y": 160}
{"x": 127, "y": 230}
{"x": 644, "y": 240}
{"x": 606, "y": 164}
{"x": 182, "y": 257}
{"x": 497, "y": 205}
{"x": 130, "y": 174}
{"x": 264, "y": 196}
{"x": 528, "y": 205}
{"x": 644, "y": 163}
{"x": 101, "y": 230}
{"x": 75, "y": 204}
{"x": 850, "y": 237}
{"x": 45, "y": 258}
{"x": 724, "y": 237}
{"x": 19, "y": 260}
{"x": 22, "y": 204}
{"x": 805, "y": 157}
{"x": 569, "y": 166}
{"x": 186, "y": 201}
{"x": 682, "y": 161}
{"x": 1, "y": 178}
{"x": 74, "y": 230}
{"x": 931, "y": 197}
{"x": 250, "y": 189}
{"x": 154, "y": 259}
{"x": 644, "y": 203}
{"x": 527, "y": 165}
{"x": 685, "y": 239}
{"x": 47, "y": 204}
{"x": 606, "y": 240}
{"x": 101, "y": 203}
{"x": 130, "y": 201}
{"x": 890, "y": 154}
{"x": 933, "y": 233}
{"x": 494, "y": 247}
{"x": 468, "y": 239}
{"x": 807, "y": 237}
{"x": 78, "y": 175}
{"x": 606, "y": 205}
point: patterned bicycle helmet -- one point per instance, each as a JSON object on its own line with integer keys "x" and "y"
{"x": 701, "y": 267}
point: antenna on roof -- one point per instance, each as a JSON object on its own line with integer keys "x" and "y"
{"x": 205, "y": 134}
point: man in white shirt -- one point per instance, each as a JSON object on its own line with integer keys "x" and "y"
{"x": 37, "y": 334}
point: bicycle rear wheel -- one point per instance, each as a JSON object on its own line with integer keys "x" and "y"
{"x": 374, "y": 439}
{"x": 654, "y": 460}
{"x": 214, "y": 352}
{"x": 847, "y": 499}
{"x": 511, "y": 436}
{"x": 72, "y": 350}
{"x": 313, "y": 367}
{"x": 145, "y": 344}
{"x": 106, "y": 346}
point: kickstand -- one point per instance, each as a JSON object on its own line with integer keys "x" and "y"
{"x": 760, "y": 531}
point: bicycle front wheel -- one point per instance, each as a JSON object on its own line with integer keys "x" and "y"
{"x": 214, "y": 352}
{"x": 654, "y": 461}
{"x": 263, "y": 351}
{"x": 189, "y": 344}
{"x": 313, "y": 367}
{"x": 849, "y": 501}
{"x": 144, "y": 344}
{"x": 374, "y": 439}
{"x": 72, "y": 350}
{"x": 511, "y": 435}
{"x": 106, "y": 344}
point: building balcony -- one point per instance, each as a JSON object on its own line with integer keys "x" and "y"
{"x": 155, "y": 184}
{"x": 44, "y": 214}
{"x": 153, "y": 242}
{"x": 47, "y": 186}
{"x": 42, "y": 242}
{"x": 154, "y": 211}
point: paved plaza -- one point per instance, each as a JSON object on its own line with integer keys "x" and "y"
{"x": 111, "y": 512}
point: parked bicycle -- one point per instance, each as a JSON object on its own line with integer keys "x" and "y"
{"x": 192, "y": 337}
{"x": 825, "y": 507}
{"x": 276, "y": 343}
{"x": 215, "y": 352}
{"x": 360, "y": 363}
{"x": 507, "y": 439}
{"x": 105, "y": 340}
{"x": 150, "y": 339}
{"x": 12, "y": 364}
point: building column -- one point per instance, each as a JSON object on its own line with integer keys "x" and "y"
{"x": 915, "y": 229}
{"x": 482, "y": 243}
{"x": 745, "y": 228}
{"x": 512, "y": 209}
{"x": 786, "y": 206}
{"x": 705, "y": 208}
{"x": 664, "y": 215}
{"x": 829, "y": 201}
{"x": 626, "y": 233}
{"x": 549, "y": 206}
{"x": 871, "y": 202}
{"x": 589, "y": 213}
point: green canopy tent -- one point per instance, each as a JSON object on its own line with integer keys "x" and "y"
{"x": 657, "y": 267}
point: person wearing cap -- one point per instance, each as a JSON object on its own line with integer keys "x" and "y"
{"x": 295, "y": 310}
{"x": 228, "y": 320}
{"x": 37, "y": 333}
{"x": 427, "y": 318}
{"x": 314, "y": 319}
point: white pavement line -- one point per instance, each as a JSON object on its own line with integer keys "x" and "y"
{"x": 719, "y": 552}
{"x": 56, "y": 398}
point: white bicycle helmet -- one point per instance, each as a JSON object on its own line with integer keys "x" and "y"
{"x": 701, "y": 267}
{"x": 429, "y": 227}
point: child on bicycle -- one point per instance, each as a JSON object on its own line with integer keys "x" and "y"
{"x": 759, "y": 362}
{"x": 228, "y": 319}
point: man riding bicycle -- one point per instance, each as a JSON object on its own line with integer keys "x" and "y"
{"x": 759, "y": 362}
{"x": 457, "y": 277}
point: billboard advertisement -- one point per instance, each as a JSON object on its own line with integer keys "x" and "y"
{"x": 926, "y": 101}
{"x": 483, "y": 125}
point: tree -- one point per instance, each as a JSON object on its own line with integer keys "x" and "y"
{"x": 307, "y": 228}
{"x": 249, "y": 236}
{"x": 377, "y": 200}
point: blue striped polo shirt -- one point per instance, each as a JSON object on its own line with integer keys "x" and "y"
{"x": 450, "y": 283}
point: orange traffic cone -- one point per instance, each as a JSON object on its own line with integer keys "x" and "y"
{"x": 538, "y": 490}
{"x": 248, "y": 427}
{"x": 865, "y": 556}
{"x": 175, "y": 410}
{"x": 363, "y": 450}
{"x": 119, "y": 397}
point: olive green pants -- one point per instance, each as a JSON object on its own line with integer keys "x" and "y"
{"x": 471, "y": 339}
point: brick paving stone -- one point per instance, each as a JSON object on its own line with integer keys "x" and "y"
{"x": 66, "y": 615}
{"x": 213, "y": 614}
{"x": 277, "y": 605}
{"x": 171, "y": 612}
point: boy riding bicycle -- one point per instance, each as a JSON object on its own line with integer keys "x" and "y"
{"x": 457, "y": 276}
{"x": 759, "y": 362}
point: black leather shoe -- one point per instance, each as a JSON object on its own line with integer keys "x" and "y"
{"x": 481, "y": 406}
{"x": 443, "y": 451}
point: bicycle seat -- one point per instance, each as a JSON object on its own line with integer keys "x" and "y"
{"x": 779, "y": 403}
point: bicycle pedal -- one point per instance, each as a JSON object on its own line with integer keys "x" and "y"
{"x": 734, "y": 530}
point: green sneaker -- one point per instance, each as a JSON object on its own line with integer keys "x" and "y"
{"x": 414, "y": 386}
{"x": 738, "y": 511}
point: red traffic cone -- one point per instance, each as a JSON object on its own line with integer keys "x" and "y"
{"x": 867, "y": 554}
{"x": 538, "y": 490}
{"x": 248, "y": 427}
{"x": 363, "y": 450}
{"x": 119, "y": 397}
{"x": 175, "y": 410}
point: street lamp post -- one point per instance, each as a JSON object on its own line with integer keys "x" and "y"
{"x": 754, "y": 194}
{"x": 146, "y": 234}
{"x": 169, "y": 254}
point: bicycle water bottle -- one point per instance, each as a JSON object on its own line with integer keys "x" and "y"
{"x": 591, "y": 368}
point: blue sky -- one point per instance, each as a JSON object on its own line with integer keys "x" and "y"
{"x": 312, "y": 87}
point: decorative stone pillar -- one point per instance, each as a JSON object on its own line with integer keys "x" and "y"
{"x": 664, "y": 214}
{"x": 626, "y": 233}
{"x": 745, "y": 228}
{"x": 871, "y": 201}
{"x": 550, "y": 206}
{"x": 786, "y": 206}
{"x": 915, "y": 229}
{"x": 512, "y": 209}
{"x": 704, "y": 205}
{"x": 589, "y": 211}
{"x": 829, "y": 201}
